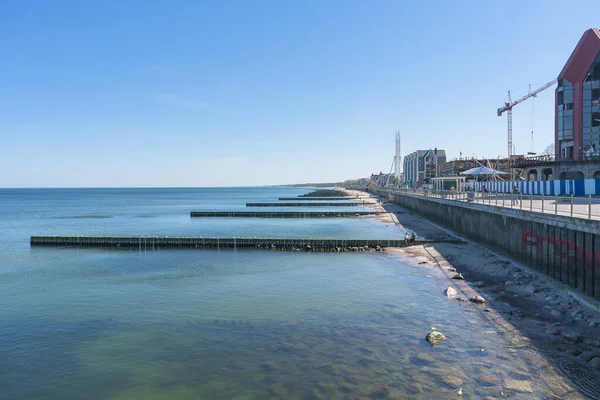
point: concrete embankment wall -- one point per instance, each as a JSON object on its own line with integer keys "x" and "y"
{"x": 566, "y": 249}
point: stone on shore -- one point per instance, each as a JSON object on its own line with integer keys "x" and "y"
{"x": 458, "y": 276}
{"x": 435, "y": 337}
{"x": 594, "y": 322}
{"x": 518, "y": 386}
{"x": 556, "y": 313}
{"x": 477, "y": 299}
{"x": 450, "y": 292}
{"x": 531, "y": 289}
{"x": 595, "y": 362}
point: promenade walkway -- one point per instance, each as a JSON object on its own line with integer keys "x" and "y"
{"x": 587, "y": 207}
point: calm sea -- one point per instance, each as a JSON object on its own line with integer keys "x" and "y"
{"x": 190, "y": 324}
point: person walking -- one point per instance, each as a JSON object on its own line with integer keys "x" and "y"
{"x": 515, "y": 191}
{"x": 406, "y": 239}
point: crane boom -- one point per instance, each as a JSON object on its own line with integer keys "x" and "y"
{"x": 508, "y": 106}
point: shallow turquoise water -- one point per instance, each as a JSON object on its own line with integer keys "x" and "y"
{"x": 189, "y": 324}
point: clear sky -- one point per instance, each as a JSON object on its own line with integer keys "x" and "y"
{"x": 223, "y": 93}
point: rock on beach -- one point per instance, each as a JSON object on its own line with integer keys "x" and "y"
{"x": 435, "y": 337}
{"x": 450, "y": 292}
{"x": 477, "y": 299}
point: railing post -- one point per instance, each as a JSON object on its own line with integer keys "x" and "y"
{"x": 590, "y": 206}
{"x": 520, "y": 201}
{"x": 555, "y": 204}
{"x": 571, "y": 205}
{"x": 531, "y": 202}
{"x": 503, "y": 195}
{"x": 542, "y": 202}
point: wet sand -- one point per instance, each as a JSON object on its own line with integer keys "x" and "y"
{"x": 535, "y": 310}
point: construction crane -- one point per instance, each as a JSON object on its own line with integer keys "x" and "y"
{"x": 508, "y": 106}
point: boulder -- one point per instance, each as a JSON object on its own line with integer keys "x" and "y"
{"x": 458, "y": 276}
{"x": 518, "y": 385}
{"x": 595, "y": 362}
{"x": 531, "y": 289}
{"x": 556, "y": 313}
{"x": 594, "y": 322}
{"x": 588, "y": 356}
{"x": 450, "y": 291}
{"x": 477, "y": 299}
{"x": 554, "y": 331}
{"x": 577, "y": 314}
{"x": 435, "y": 337}
{"x": 572, "y": 337}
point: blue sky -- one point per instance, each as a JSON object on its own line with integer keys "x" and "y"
{"x": 192, "y": 93}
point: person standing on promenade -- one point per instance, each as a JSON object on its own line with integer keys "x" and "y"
{"x": 515, "y": 199}
{"x": 406, "y": 239}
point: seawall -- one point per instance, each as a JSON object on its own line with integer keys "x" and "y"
{"x": 563, "y": 248}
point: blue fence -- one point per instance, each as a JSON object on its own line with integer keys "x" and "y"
{"x": 581, "y": 187}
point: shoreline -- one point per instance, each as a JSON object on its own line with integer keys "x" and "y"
{"x": 561, "y": 325}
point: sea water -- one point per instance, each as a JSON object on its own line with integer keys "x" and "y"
{"x": 195, "y": 324}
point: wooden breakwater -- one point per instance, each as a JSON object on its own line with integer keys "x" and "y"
{"x": 308, "y": 204}
{"x": 155, "y": 242}
{"x": 316, "y": 198}
{"x": 326, "y": 193}
{"x": 282, "y": 214}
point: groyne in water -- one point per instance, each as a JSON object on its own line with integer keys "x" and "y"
{"x": 290, "y": 244}
{"x": 315, "y": 198}
{"x": 282, "y": 214}
{"x": 308, "y": 204}
{"x": 326, "y": 193}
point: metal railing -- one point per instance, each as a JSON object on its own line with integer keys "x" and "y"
{"x": 584, "y": 207}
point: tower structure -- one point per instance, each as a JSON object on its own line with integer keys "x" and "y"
{"x": 398, "y": 158}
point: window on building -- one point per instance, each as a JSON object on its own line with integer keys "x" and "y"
{"x": 595, "y": 97}
{"x": 595, "y": 119}
{"x": 565, "y": 116}
{"x": 568, "y": 96}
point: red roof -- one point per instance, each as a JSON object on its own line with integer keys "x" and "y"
{"x": 582, "y": 57}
